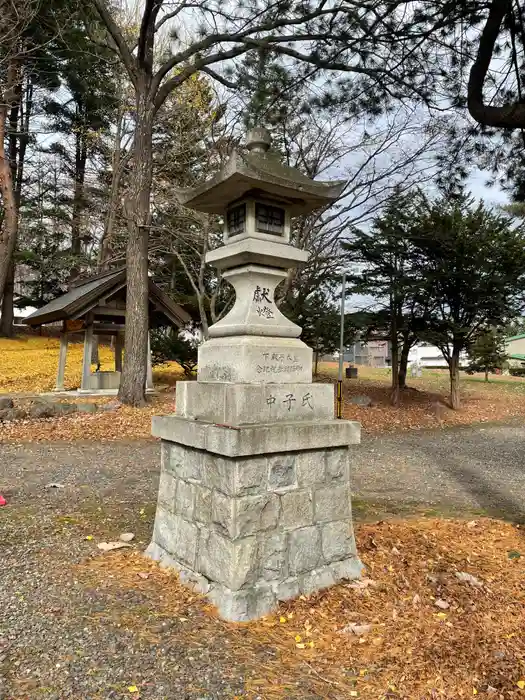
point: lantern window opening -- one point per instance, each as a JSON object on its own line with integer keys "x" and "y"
{"x": 269, "y": 219}
{"x": 236, "y": 219}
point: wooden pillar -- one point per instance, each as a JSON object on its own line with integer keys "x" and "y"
{"x": 119, "y": 343}
{"x": 59, "y": 386}
{"x": 149, "y": 375}
{"x": 86, "y": 362}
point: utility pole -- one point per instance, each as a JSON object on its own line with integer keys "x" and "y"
{"x": 341, "y": 351}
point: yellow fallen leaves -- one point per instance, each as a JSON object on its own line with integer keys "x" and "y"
{"x": 29, "y": 364}
{"x": 133, "y": 689}
{"x": 414, "y": 658}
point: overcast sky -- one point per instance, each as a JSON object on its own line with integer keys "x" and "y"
{"x": 493, "y": 196}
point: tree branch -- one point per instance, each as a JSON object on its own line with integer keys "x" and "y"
{"x": 219, "y": 78}
{"x": 201, "y": 64}
{"x": 147, "y": 34}
{"x": 232, "y": 37}
{"x": 127, "y": 57}
{"x": 509, "y": 116}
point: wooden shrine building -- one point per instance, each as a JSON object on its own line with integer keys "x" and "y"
{"x": 96, "y": 306}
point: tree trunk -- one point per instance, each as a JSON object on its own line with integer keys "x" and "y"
{"x": 9, "y": 230}
{"x": 8, "y": 312}
{"x": 486, "y": 374}
{"x": 10, "y": 223}
{"x": 117, "y": 168}
{"x": 394, "y": 393}
{"x": 403, "y": 364}
{"x": 453, "y": 367}
{"x": 78, "y": 204}
{"x": 137, "y": 213}
{"x": 316, "y": 362}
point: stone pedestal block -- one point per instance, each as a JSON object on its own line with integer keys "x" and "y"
{"x": 253, "y": 359}
{"x": 242, "y": 404}
{"x": 257, "y": 514}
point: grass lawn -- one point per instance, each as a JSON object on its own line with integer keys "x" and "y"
{"x": 29, "y": 363}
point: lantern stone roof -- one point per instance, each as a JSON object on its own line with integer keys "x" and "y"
{"x": 259, "y": 172}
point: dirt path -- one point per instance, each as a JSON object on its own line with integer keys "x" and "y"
{"x": 477, "y": 468}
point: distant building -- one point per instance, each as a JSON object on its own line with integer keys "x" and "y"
{"x": 515, "y": 349}
{"x": 430, "y": 356}
{"x": 375, "y": 353}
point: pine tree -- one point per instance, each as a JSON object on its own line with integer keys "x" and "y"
{"x": 81, "y": 119}
{"x": 487, "y": 353}
{"x": 384, "y": 267}
{"x": 471, "y": 261}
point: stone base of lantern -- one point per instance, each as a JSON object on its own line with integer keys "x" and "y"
{"x": 245, "y": 404}
{"x": 256, "y": 514}
{"x": 255, "y": 359}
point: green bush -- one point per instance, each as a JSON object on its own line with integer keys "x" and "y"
{"x": 168, "y": 346}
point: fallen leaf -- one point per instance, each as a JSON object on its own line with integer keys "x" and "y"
{"x": 126, "y": 536}
{"x": 472, "y": 523}
{"x": 142, "y": 574}
{"x": 354, "y": 628}
{"x": 54, "y": 485}
{"x": 468, "y": 578}
{"x": 521, "y": 684}
{"x": 110, "y": 546}
{"x": 133, "y": 689}
{"x": 441, "y": 616}
{"x": 301, "y": 646}
{"x": 298, "y": 638}
{"x": 363, "y": 583}
{"x": 89, "y": 537}
{"x": 513, "y": 554}
{"x": 442, "y": 604}
{"x": 416, "y": 600}
{"x": 282, "y": 620}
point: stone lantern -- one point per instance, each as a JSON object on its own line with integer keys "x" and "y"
{"x": 254, "y": 496}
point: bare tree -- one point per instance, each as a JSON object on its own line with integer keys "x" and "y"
{"x": 15, "y": 19}
{"x": 349, "y": 36}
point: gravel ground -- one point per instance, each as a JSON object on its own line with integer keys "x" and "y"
{"x": 62, "y": 637}
{"x": 477, "y": 468}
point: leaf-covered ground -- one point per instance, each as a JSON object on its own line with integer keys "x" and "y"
{"x": 440, "y": 613}
{"x": 28, "y": 366}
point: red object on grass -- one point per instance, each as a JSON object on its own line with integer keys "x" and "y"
{"x": 3, "y": 502}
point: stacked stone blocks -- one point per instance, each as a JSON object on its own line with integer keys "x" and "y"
{"x": 251, "y": 531}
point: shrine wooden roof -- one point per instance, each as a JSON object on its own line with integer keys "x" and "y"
{"x": 85, "y": 295}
